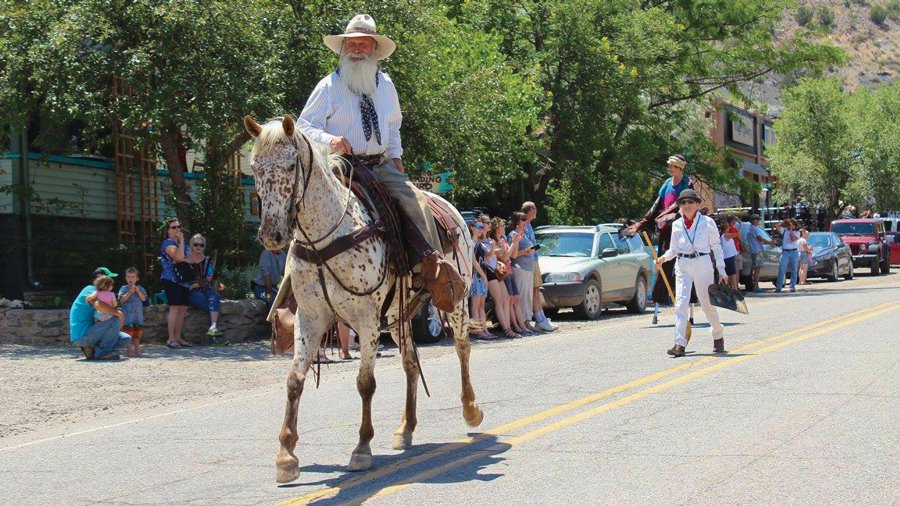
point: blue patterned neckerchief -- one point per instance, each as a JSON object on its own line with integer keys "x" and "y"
{"x": 369, "y": 114}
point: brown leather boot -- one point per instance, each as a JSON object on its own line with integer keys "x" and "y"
{"x": 719, "y": 345}
{"x": 447, "y": 287}
{"x": 676, "y": 351}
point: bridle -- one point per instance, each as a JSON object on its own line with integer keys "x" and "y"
{"x": 309, "y": 245}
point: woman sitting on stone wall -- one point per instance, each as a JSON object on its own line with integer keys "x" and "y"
{"x": 203, "y": 295}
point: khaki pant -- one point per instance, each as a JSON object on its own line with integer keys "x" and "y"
{"x": 411, "y": 201}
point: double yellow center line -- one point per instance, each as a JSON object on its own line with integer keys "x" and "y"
{"x": 761, "y": 347}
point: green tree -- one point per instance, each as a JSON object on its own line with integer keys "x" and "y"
{"x": 876, "y": 137}
{"x": 618, "y": 80}
{"x": 815, "y": 155}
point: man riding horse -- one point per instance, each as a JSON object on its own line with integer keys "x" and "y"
{"x": 355, "y": 111}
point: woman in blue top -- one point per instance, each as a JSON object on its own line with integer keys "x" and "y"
{"x": 174, "y": 250}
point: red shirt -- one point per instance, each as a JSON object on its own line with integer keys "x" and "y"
{"x": 737, "y": 244}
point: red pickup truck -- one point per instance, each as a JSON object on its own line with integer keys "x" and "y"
{"x": 867, "y": 241}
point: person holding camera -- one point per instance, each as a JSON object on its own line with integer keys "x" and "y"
{"x": 790, "y": 258}
{"x": 523, "y": 265}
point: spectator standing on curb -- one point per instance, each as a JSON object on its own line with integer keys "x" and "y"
{"x": 755, "y": 242}
{"x": 174, "y": 250}
{"x": 523, "y": 264}
{"x": 98, "y": 340}
{"x": 729, "y": 250}
{"x": 507, "y": 251}
{"x": 804, "y": 251}
{"x": 132, "y": 297}
{"x": 789, "y": 256}
{"x": 537, "y": 307}
{"x": 267, "y": 280}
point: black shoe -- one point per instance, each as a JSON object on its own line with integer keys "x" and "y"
{"x": 676, "y": 351}
{"x": 108, "y": 356}
{"x": 88, "y": 352}
{"x": 719, "y": 345}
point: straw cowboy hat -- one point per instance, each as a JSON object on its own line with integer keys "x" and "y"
{"x": 362, "y": 25}
{"x": 677, "y": 160}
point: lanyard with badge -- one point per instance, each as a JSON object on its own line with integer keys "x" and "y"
{"x": 696, "y": 228}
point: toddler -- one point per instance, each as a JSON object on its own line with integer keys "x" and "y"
{"x": 132, "y": 297}
{"x": 104, "y": 294}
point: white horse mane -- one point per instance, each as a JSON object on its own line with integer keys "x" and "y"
{"x": 272, "y": 133}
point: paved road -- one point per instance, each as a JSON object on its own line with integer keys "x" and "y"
{"x": 804, "y": 409}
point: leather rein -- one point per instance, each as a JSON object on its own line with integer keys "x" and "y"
{"x": 307, "y": 250}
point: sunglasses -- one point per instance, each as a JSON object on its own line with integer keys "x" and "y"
{"x": 174, "y": 227}
{"x": 687, "y": 201}
{"x": 198, "y": 245}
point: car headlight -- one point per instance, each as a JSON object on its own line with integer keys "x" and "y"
{"x": 558, "y": 277}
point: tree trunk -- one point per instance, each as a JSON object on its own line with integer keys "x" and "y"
{"x": 168, "y": 143}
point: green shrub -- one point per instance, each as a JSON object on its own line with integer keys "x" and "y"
{"x": 804, "y": 15}
{"x": 826, "y": 17}
{"x": 877, "y": 14}
{"x": 893, "y": 9}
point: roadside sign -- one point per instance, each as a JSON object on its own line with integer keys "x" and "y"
{"x": 434, "y": 183}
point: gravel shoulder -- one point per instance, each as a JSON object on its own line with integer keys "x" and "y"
{"x": 54, "y": 390}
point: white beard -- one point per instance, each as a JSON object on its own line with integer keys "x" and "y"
{"x": 359, "y": 75}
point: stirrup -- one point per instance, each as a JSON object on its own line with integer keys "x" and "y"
{"x": 413, "y": 306}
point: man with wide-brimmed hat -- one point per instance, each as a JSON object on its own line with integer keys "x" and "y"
{"x": 662, "y": 213}
{"x": 356, "y": 112}
{"x": 694, "y": 238}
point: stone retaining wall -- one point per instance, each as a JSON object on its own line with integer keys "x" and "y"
{"x": 240, "y": 320}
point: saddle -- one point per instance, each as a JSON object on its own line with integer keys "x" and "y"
{"x": 447, "y": 287}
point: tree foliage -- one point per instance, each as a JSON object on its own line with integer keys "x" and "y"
{"x": 582, "y": 100}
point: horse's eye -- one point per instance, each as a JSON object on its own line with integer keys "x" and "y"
{"x": 291, "y": 167}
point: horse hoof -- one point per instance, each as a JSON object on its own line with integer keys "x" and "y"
{"x": 360, "y": 462}
{"x": 402, "y": 441}
{"x": 476, "y": 420}
{"x": 288, "y": 473}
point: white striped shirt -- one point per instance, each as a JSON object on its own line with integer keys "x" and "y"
{"x": 333, "y": 110}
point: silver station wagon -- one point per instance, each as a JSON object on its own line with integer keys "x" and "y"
{"x": 589, "y": 267}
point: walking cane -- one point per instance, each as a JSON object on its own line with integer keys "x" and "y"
{"x": 662, "y": 274}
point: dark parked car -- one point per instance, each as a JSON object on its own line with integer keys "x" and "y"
{"x": 832, "y": 257}
{"x": 867, "y": 242}
{"x": 588, "y": 267}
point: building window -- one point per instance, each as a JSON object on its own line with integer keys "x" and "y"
{"x": 740, "y": 130}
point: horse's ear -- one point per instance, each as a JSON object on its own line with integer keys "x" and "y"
{"x": 252, "y": 127}
{"x": 288, "y": 124}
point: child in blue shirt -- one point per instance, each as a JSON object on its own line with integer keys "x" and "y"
{"x": 131, "y": 299}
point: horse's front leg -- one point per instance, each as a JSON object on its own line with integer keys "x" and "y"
{"x": 307, "y": 339}
{"x": 404, "y": 433}
{"x": 365, "y": 384}
{"x": 459, "y": 323}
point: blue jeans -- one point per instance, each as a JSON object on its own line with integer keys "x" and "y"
{"x": 206, "y": 299}
{"x": 788, "y": 259}
{"x": 104, "y": 337}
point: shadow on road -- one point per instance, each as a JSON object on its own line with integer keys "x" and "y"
{"x": 452, "y": 463}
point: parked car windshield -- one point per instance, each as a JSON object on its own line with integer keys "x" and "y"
{"x": 853, "y": 228}
{"x": 819, "y": 240}
{"x": 565, "y": 244}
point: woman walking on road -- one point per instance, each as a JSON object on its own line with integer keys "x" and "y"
{"x": 694, "y": 237}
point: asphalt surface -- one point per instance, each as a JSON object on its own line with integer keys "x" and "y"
{"x": 804, "y": 409}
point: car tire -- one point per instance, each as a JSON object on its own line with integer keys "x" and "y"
{"x": 592, "y": 305}
{"x": 638, "y": 303}
{"x": 886, "y": 266}
{"x": 427, "y": 327}
{"x": 874, "y": 269}
{"x": 835, "y": 275}
{"x": 849, "y": 274}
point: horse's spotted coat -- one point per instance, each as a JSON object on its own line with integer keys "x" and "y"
{"x": 281, "y": 161}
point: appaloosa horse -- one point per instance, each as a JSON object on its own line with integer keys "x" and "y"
{"x": 302, "y": 201}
